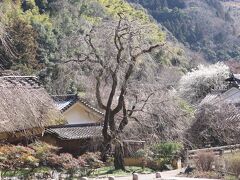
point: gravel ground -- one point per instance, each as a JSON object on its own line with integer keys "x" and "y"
{"x": 167, "y": 175}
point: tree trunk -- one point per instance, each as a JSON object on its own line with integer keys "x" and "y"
{"x": 119, "y": 156}
{"x": 106, "y": 150}
{"x": 107, "y": 139}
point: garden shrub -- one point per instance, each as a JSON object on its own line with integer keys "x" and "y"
{"x": 168, "y": 149}
{"x": 42, "y": 147}
{"x": 15, "y": 157}
{"x": 206, "y": 174}
{"x": 19, "y": 157}
{"x": 29, "y": 160}
{"x": 204, "y": 161}
{"x": 65, "y": 161}
{"x": 164, "y": 153}
{"x": 141, "y": 158}
{"x": 43, "y": 150}
{"x": 92, "y": 161}
{"x": 233, "y": 164}
{"x": 141, "y": 153}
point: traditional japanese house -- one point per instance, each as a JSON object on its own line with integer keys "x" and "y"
{"x": 83, "y": 128}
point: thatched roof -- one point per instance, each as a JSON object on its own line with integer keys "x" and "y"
{"x": 25, "y": 105}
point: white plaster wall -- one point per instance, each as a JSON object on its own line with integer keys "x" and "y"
{"x": 79, "y": 114}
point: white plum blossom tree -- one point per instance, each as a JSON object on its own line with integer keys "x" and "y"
{"x": 195, "y": 85}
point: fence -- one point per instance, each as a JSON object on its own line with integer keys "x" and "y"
{"x": 218, "y": 152}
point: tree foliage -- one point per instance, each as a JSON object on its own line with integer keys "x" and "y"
{"x": 204, "y": 26}
{"x": 31, "y": 36}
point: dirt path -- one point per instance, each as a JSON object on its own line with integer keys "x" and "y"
{"x": 167, "y": 175}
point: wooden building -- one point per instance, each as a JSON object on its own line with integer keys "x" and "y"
{"x": 76, "y": 110}
{"x": 83, "y": 131}
{"x": 25, "y": 109}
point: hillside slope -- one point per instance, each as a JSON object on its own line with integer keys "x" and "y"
{"x": 210, "y": 27}
{"x": 233, "y": 8}
{"x": 45, "y": 34}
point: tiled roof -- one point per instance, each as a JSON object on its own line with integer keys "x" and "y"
{"x": 63, "y": 102}
{"x": 230, "y": 96}
{"x": 210, "y": 98}
{"x": 82, "y": 131}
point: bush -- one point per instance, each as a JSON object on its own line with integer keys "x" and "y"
{"x": 39, "y": 154}
{"x": 65, "y": 161}
{"x": 92, "y": 159}
{"x": 164, "y": 153}
{"x": 141, "y": 153}
{"x": 213, "y": 125}
{"x": 233, "y": 164}
{"x": 166, "y": 150}
{"x": 29, "y": 160}
{"x": 204, "y": 161}
{"x": 205, "y": 174}
{"x": 15, "y": 157}
{"x": 43, "y": 150}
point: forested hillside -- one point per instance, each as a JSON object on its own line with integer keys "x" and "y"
{"x": 44, "y": 34}
{"x": 210, "y": 27}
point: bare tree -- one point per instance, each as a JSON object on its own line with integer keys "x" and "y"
{"x": 165, "y": 116}
{"x": 215, "y": 124}
{"x": 113, "y": 51}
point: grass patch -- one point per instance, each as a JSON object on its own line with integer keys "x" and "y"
{"x": 129, "y": 170}
{"x": 230, "y": 178}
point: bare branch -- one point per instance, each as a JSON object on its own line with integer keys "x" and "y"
{"x": 79, "y": 59}
{"x": 141, "y": 123}
{"x": 88, "y": 39}
{"x": 148, "y": 50}
{"x": 98, "y": 94}
{"x": 123, "y": 89}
